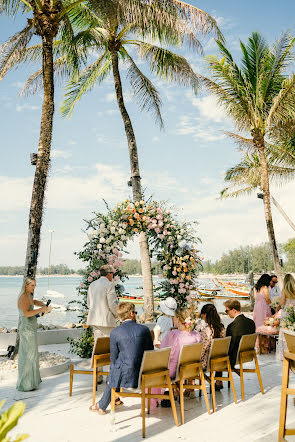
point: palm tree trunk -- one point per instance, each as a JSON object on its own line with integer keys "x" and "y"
{"x": 42, "y": 166}
{"x": 136, "y": 189}
{"x": 43, "y": 160}
{"x": 258, "y": 140}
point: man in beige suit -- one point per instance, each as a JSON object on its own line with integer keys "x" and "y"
{"x": 102, "y": 304}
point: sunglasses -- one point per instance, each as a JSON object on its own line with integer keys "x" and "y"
{"x": 274, "y": 282}
{"x": 227, "y": 310}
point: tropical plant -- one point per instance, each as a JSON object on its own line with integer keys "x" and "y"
{"x": 8, "y": 420}
{"x": 259, "y": 96}
{"x": 112, "y": 40}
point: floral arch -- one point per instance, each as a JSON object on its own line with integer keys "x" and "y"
{"x": 171, "y": 243}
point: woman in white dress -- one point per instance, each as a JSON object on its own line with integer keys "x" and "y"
{"x": 288, "y": 299}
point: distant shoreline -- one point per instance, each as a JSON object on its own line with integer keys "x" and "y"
{"x": 72, "y": 275}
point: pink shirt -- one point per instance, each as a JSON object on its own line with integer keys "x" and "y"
{"x": 176, "y": 339}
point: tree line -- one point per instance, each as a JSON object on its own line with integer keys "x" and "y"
{"x": 253, "y": 258}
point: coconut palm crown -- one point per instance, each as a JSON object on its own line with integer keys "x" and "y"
{"x": 259, "y": 96}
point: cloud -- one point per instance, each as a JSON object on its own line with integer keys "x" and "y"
{"x": 56, "y": 153}
{"x": 198, "y": 129}
{"x": 26, "y": 106}
{"x": 111, "y": 111}
{"x": 209, "y": 108}
{"x": 111, "y": 96}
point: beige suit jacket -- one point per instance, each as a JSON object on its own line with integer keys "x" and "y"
{"x": 102, "y": 303}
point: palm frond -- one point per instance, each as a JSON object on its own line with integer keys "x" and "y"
{"x": 11, "y": 7}
{"x": 227, "y": 192}
{"x": 169, "y": 65}
{"x": 244, "y": 143}
{"x": 283, "y": 108}
{"x": 12, "y": 51}
{"x": 93, "y": 74}
{"x": 147, "y": 95}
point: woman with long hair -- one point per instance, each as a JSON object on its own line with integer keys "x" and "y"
{"x": 213, "y": 329}
{"x": 28, "y": 358}
{"x": 287, "y": 300}
{"x": 262, "y": 300}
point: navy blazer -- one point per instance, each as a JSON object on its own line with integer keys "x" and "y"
{"x": 128, "y": 343}
{"x": 240, "y": 326}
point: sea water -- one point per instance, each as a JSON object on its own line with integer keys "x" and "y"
{"x": 63, "y": 290}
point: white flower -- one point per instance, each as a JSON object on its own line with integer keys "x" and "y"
{"x": 99, "y": 246}
{"x": 113, "y": 229}
{"x": 102, "y": 240}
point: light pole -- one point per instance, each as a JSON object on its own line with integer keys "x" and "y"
{"x": 51, "y": 232}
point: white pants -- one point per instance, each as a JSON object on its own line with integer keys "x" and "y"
{"x": 101, "y": 332}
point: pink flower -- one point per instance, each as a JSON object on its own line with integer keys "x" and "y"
{"x": 172, "y": 290}
{"x": 159, "y": 217}
{"x": 160, "y": 223}
{"x": 120, "y": 255}
{"x": 157, "y": 230}
{"x": 93, "y": 274}
{"x": 116, "y": 251}
{"x": 181, "y": 285}
{"x": 90, "y": 279}
{"x": 171, "y": 281}
{"x": 82, "y": 285}
{"x": 165, "y": 232}
{"x": 174, "y": 273}
{"x": 116, "y": 278}
{"x": 161, "y": 236}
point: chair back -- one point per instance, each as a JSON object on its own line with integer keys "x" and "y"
{"x": 189, "y": 354}
{"x": 290, "y": 341}
{"x": 247, "y": 343}
{"x": 219, "y": 349}
{"x": 154, "y": 361}
{"x": 101, "y": 347}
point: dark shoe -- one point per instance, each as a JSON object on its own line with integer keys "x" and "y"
{"x": 166, "y": 403}
{"x": 218, "y": 387}
{"x": 99, "y": 382}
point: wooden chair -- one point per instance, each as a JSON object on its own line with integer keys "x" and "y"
{"x": 219, "y": 361}
{"x": 100, "y": 358}
{"x": 247, "y": 353}
{"x": 288, "y": 364}
{"x": 190, "y": 368}
{"x": 154, "y": 373}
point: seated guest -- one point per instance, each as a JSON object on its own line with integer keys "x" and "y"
{"x": 213, "y": 329}
{"x": 128, "y": 342}
{"x": 236, "y": 329}
{"x": 184, "y": 321}
{"x": 165, "y": 321}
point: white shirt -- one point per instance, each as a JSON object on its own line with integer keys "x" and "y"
{"x": 274, "y": 291}
{"x": 163, "y": 326}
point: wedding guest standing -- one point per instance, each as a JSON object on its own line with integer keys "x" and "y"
{"x": 262, "y": 300}
{"x": 28, "y": 357}
{"x": 287, "y": 300}
{"x": 102, "y": 303}
{"x": 213, "y": 329}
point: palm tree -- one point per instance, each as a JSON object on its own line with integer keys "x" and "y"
{"x": 245, "y": 178}
{"x": 259, "y": 96}
{"x": 112, "y": 41}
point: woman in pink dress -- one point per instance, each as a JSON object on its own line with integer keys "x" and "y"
{"x": 262, "y": 300}
{"x": 184, "y": 320}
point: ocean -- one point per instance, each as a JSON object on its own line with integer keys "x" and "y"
{"x": 63, "y": 290}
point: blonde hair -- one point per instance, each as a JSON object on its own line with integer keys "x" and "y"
{"x": 26, "y": 282}
{"x": 186, "y": 316}
{"x": 124, "y": 310}
{"x": 289, "y": 286}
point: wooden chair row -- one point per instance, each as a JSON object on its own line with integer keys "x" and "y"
{"x": 154, "y": 372}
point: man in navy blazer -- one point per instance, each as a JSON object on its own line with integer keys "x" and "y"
{"x": 128, "y": 342}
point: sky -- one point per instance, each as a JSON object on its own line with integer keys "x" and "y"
{"x": 183, "y": 164}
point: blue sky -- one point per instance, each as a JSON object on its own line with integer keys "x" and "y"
{"x": 183, "y": 164}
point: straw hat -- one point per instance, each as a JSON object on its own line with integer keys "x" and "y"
{"x": 107, "y": 269}
{"x": 168, "y": 306}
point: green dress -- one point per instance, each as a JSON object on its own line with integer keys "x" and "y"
{"x": 28, "y": 356}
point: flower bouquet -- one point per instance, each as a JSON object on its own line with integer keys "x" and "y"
{"x": 276, "y": 303}
{"x": 288, "y": 322}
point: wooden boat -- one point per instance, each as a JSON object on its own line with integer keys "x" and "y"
{"x": 237, "y": 292}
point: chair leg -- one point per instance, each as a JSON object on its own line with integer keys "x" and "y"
{"x": 149, "y": 401}
{"x": 143, "y": 407}
{"x": 242, "y": 381}
{"x": 284, "y": 398}
{"x": 113, "y": 400}
{"x": 181, "y": 400}
{"x": 172, "y": 400}
{"x": 213, "y": 391}
{"x": 230, "y": 375}
{"x": 258, "y": 373}
{"x": 202, "y": 382}
{"x": 94, "y": 382}
{"x": 71, "y": 378}
{"x": 228, "y": 384}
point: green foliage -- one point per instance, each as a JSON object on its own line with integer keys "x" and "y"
{"x": 289, "y": 249}
{"x": 8, "y": 420}
{"x": 83, "y": 346}
{"x": 289, "y": 320}
{"x": 59, "y": 269}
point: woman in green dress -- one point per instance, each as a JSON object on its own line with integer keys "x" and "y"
{"x": 28, "y": 357}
